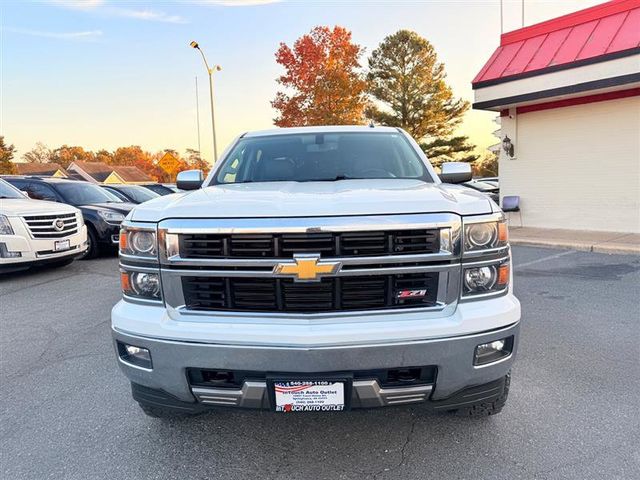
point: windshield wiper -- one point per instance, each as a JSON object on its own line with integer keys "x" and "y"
{"x": 337, "y": 178}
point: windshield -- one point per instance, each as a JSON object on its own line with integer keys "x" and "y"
{"x": 322, "y": 157}
{"x": 83, "y": 193}
{"x": 139, "y": 194}
{"x": 9, "y": 191}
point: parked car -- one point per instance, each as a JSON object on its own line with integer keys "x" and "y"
{"x": 489, "y": 189}
{"x": 131, "y": 193}
{"x": 35, "y": 232}
{"x": 102, "y": 211}
{"x": 159, "y": 188}
{"x": 318, "y": 269}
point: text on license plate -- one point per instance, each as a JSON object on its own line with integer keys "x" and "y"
{"x": 60, "y": 245}
{"x": 309, "y": 396}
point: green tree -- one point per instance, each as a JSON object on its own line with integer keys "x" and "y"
{"x": 409, "y": 85}
{"x": 6, "y": 155}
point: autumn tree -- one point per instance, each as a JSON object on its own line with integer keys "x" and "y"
{"x": 322, "y": 79}
{"x": 487, "y": 166}
{"x": 65, "y": 155}
{"x": 137, "y": 157}
{"x": 104, "y": 156}
{"x": 40, "y": 153}
{"x": 195, "y": 161}
{"x": 408, "y": 83}
{"x": 6, "y": 155}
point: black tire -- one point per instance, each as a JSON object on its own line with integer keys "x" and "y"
{"x": 155, "y": 411}
{"x": 484, "y": 409}
{"x": 92, "y": 249}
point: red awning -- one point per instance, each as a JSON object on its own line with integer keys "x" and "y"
{"x": 594, "y": 34}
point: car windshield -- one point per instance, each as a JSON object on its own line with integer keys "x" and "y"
{"x": 84, "y": 193}
{"x": 139, "y": 194}
{"x": 330, "y": 156}
{"x": 9, "y": 191}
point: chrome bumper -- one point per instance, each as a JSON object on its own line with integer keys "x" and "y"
{"x": 453, "y": 358}
{"x": 365, "y": 394}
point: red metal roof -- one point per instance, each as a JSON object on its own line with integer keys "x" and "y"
{"x": 581, "y": 37}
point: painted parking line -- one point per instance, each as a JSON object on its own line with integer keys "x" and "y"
{"x": 544, "y": 259}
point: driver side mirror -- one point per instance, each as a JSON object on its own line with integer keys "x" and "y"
{"x": 190, "y": 180}
{"x": 455, "y": 172}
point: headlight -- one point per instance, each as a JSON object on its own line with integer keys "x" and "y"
{"x": 141, "y": 284}
{"x": 5, "y": 226}
{"x": 485, "y": 235}
{"x": 111, "y": 217}
{"x": 485, "y": 279}
{"x": 142, "y": 243}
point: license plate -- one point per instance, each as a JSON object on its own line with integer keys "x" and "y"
{"x": 61, "y": 245}
{"x": 309, "y": 395}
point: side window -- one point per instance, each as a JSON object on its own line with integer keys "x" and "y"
{"x": 40, "y": 191}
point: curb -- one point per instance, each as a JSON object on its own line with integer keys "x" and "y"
{"x": 616, "y": 249}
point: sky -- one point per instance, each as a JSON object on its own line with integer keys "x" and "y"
{"x": 107, "y": 73}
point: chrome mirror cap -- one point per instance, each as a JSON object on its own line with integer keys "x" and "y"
{"x": 190, "y": 180}
{"x": 455, "y": 172}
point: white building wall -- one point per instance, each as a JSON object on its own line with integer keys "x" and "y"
{"x": 576, "y": 167}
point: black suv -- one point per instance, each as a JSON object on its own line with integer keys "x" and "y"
{"x": 102, "y": 211}
{"x": 131, "y": 193}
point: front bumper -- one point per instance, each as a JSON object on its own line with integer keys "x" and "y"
{"x": 40, "y": 251}
{"x": 452, "y": 357}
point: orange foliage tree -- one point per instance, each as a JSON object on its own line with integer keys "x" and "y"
{"x": 134, "y": 156}
{"x": 65, "y": 154}
{"x": 323, "y": 78}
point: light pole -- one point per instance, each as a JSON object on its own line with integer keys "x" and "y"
{"x": 213, "y": 117}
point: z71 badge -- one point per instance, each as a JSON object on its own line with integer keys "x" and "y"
{"x": 412, "y": 293}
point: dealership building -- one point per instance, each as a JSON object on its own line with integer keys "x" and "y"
{"x": 568, "y": 94}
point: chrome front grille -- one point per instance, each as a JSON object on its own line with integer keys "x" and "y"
{"x": 372, "y": 292}
{"x": 286, "y": 245}
{"x": 52, "y": 226}
{"x": 234, "y": 266}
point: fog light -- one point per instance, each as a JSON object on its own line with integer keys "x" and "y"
{"x": 137, "y": 356}
{"x": 493, "y": 351}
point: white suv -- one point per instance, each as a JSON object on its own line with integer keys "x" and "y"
{"x": 34, "y": 232}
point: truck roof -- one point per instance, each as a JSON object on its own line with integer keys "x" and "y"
{"x": 319, "y": 129}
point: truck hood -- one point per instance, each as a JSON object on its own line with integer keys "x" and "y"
{"x": 315, "y": 199}
{"x": 26, "y": 206}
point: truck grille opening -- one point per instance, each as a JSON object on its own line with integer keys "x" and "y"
{"x": 387, "y": 378}
{"x": 285, "y": 245}
{"x": 328, "y": 295}
{"x": 42, "y": 226}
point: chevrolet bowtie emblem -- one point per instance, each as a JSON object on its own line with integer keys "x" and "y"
{"x": 307, "y": 268}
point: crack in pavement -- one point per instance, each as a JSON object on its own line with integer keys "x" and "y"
{"x": 403, "y": 455}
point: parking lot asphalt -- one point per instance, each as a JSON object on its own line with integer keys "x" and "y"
{"x": 573, "y": 411}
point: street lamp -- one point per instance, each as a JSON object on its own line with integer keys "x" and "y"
{"x": 213, "y": 117}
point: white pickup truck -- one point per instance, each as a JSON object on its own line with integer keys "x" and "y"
{"x": 318, "y": 269}
{"x": 35, "y": 232}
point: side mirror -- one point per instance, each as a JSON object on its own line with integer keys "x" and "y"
{"x": 190, "y": 180}
{"x": 455, "y": 172}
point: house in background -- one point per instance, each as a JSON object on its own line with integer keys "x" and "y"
{"x": 45, "y": 169}
{"x": 99, "y": 172}
{"x": 568, "y": 94}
